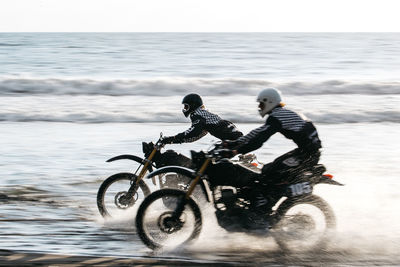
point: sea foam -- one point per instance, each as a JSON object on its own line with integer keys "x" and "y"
{"x": 329, "y": 109}
{"x": 180, "y": 86}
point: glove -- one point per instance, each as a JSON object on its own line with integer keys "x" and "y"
{"x": 168, "y": 140}
{"x": 226, "y": 153}
{"x": 229, "y": 144}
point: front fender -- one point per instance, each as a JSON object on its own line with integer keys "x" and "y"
{"x": 134, "y": 158}
{"x": 184, "y": 171}
{"x": 130, "y": 157}
{"x": 178, "y": 169}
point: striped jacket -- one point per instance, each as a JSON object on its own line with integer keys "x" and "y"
{"x": 204, "y": 122}
{"x": 290, "y": 124}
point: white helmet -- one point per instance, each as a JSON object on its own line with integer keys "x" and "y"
{"x": 268, "y": 99}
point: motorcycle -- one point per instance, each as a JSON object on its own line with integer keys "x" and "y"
{"x": 122, "y": 190}
{"x": 299, "y": 220}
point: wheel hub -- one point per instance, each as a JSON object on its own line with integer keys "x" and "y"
{"x": 168, "y": 223}
{"x": 122, "y": 200}
{"x": 298, "y": 226}
{"x": 303, "y": 221}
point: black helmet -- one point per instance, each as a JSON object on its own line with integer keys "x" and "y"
{"x": 191, "y": 102}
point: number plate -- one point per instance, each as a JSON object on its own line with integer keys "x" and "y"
{"x": 300, "y": 189}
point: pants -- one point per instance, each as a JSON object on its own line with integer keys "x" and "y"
{"x": 280, "y": 170}
{"x": 289, "y": 164}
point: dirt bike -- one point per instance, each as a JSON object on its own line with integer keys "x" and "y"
{"x": 298, "y": 217}
{"x": 122, "y": 190}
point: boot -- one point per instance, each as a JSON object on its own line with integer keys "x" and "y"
{"x": 257, "y": 215}
{"x": 256, "y": 221}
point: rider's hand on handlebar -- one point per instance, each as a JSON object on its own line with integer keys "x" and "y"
{"x": 167, "y": 140}
{"x": 227, "y": 153}
{"x": 229, "y": 144}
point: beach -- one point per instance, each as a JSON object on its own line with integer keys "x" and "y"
{"x": 59, "y": 213}
{"x": 70, "y": 101}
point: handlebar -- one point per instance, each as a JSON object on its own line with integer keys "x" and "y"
{"x": 159, "y": 143}
{"x": 216, "y": 152}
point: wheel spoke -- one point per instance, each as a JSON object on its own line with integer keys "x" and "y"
{"x": 113, "y": 198}
{"x": 159, "y": 226}
{"x": 304, "y": 224}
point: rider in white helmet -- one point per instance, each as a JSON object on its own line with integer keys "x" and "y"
{"x": 289, "y": 123}
{"x": 280, "y": 119}
{"x": 268, "y": 99}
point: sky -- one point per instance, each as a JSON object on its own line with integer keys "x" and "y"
{"x": 199, "y": 15}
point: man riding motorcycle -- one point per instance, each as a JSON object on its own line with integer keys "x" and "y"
{"x": 203, "y": 122}
{"x": 293, "y": 126}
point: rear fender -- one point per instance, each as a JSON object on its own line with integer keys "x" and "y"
{"x": 328, "y": 180}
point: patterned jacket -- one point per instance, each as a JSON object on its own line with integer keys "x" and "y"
{"x": 290, "y": 124}
{"x": 204, "y": 122}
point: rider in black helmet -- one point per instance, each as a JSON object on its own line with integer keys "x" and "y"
{"x": 203, "y": 122}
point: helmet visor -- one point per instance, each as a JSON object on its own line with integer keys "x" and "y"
{"x": 261, "y": 106}
{"x": 186, "y": 108}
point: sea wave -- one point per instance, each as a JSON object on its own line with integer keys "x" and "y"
{"x": 330, "y": 109}
{"x": 101, "y": 117}
{"x": 181, "y": 86}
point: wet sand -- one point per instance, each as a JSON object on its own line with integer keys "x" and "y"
{"x": 11, "y": 258}
{"x": 48, "y": 200}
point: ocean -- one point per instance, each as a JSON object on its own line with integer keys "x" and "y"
{"x": 70, "y": 101}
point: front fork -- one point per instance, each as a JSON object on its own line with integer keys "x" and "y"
{"x": 135, "y": 183}
{"x": 184, "y": 199}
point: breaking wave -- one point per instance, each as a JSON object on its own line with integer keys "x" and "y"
{"x": 180, "y": 86}
{"x": 158, "y": 99}
{"x": 330, "y": 109}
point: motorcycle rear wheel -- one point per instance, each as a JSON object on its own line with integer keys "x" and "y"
{"x": 304, "y": 224}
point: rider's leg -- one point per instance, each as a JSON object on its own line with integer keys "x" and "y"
{"x": 288, "y": 165}
{"x": 260, "y": 208}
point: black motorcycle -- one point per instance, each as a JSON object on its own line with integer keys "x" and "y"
{"x": 122, "y": 190}
{"x": 298, "y": 220}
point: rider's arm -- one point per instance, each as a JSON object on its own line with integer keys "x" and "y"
{"x": 195, "y": 132}
{"x": 257, "y": 137}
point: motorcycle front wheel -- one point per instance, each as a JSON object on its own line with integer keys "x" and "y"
{"x": 303, "y": 224}
{"x": 113, "y": 199}
{"x": 159, "y": 227}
